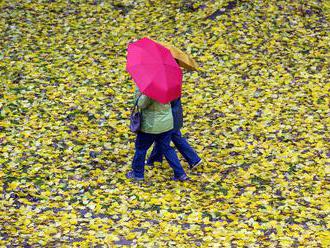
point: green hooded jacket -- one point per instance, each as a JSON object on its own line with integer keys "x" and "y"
{"x": 156, "y": 117}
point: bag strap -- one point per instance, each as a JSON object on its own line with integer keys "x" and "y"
{"x": 136, "y": 104}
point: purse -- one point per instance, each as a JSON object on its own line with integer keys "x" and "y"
{"x": 135, "y": 118}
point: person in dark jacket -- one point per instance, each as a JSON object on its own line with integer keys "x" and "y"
{"x": 180, "y": 142}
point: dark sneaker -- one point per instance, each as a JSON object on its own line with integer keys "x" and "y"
{"x": 182, "y": 178}
{"x": 149, "y": 164}
{"x": 130, "y": 175}
{"x": 195, "y": 165}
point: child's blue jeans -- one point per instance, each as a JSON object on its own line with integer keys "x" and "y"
{"x": 144, "y": 141}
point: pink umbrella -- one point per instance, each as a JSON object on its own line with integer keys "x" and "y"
{"x": 154, "y": 70}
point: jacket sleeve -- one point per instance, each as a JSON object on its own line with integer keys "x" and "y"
{"x": 144, "y": 101}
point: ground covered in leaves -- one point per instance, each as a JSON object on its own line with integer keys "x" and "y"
{"x": 257, "y": 112}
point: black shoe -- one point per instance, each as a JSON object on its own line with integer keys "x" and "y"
{"x": 148, "y": 164}
{"x": 130, "y": 175}
{"x": 182, "y": 178}
{"x": 195, "y": 165}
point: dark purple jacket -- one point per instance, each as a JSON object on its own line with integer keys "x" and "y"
{"x": 177, "y": 114}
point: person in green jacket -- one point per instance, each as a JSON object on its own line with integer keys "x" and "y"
{"x": 156, "y": 126}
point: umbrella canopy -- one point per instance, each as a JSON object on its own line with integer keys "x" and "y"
{"x": 154, "y": 70}
{"x": 184, "y": 59}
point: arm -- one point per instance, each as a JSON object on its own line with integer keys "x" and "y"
{"x": 144, "y": 101}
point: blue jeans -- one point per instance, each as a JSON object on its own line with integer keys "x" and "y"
{"x": 181, "y": 144}
{"x": 144, "y": 141}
